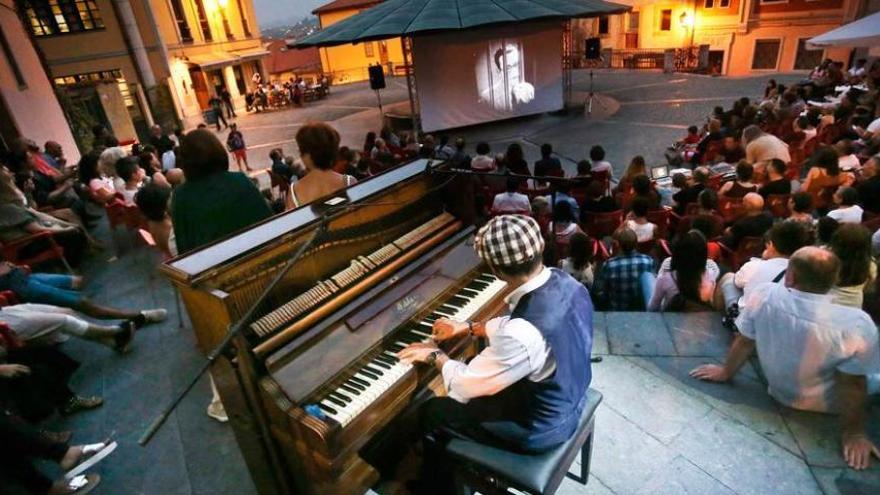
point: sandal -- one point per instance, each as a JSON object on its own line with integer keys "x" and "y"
{"x": 91, "y": 455}
{"x": 80, "y": 485}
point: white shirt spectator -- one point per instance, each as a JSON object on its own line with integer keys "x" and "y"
{"x": 516, "y": 350}
{"x": 847, "y": 214}
{"x": 803, "y": 339}
{"x": 602, "y": 166}
{"x": 483, "y": 163}
{"x": 758, "y": 271}
{"x": 508, "y": 202}
{"x": 584, "y": 276}
{"x": 711, "y": 268}
{"x": 849, "y": 162}
{"x": 644, "y": 231}
{"x": 810, "y": 133}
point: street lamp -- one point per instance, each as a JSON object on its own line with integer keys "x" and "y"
{"x": 687, "y": 20}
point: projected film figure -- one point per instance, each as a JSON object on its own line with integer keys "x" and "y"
{"x": 501, "y": 76}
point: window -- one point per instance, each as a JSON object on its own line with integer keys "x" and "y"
{"x": 603, "y": 25}
{"x": 766, "y": 54}
{"x": 666, "y": 20}
{"x": 226, "y": 28}
{"x": 239, "y": 79}
{"x": 50, "y": 17}
{"x": 724, "y": 4}
{"x": 10, "y": 58}
{"x": 203, "y": 20}
{"x": 244, "y": 21}
{"x": 633, "y": 21}
{"x": 807, "y": 59}
{"x": 180, "y": 18}
{"x": 709, "y": 4}
{"x": 368, "y": 48}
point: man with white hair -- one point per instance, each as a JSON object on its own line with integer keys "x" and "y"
{"x": 762, "y": 147}
{"x": 527, "y": 389}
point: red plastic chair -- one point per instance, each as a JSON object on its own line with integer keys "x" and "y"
{"x": 660, "y": 218}
{"x": 748, "y": 248}
{"x": 778, "y": 205}
{"x": 14, "y": 251}
{"x": 599, "y": 225}
{"x": 604, "y": 177}
{"x": 624, "y": 200}
{"x": 731, "y": 209}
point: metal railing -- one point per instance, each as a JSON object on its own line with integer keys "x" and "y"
{"x": 683, "y": 59}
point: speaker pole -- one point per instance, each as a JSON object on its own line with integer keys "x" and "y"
{"x": 381, "y": 114}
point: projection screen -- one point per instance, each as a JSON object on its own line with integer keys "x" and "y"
{"x": 470, "y": 77}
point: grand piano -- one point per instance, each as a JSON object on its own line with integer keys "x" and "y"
{"x": 313, "y": 380}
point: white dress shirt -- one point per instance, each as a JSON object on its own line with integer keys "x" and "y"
{"x": 483, "y": 163}
{"x": 847, "y": 214}
{"x": 756, "y": 272}
{"x": 802, "y": 339}
{"x": 508, "y": 202}
{"x": 516, "y": 350}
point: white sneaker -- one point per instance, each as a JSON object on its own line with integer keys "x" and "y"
{"x": 216, "y": 411}
{"x": 154, "y": 315}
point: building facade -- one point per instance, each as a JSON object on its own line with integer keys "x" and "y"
{"x": 129, "y": 64}
{"x": 284, "y": 63}
{"x": 349, "y": 63}
{"x": 744, "y": 36}
{"x": 28, "y": 106}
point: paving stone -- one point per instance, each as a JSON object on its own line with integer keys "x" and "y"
{"x": 682, "y": 477}
{"x": 593, "y": 487}
{"x": 847, "y": 481}
{"x": 742, "y": 460}
{"x": 600, "y": 334}
{"x": 640, "y": 334}
{"x": 659, "y": 408}
{"x": 818, "y": 435}
{"x": 698, "y": 334}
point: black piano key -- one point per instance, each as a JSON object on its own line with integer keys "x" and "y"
{"x": 328, "y": 409}
{"x": 369, "y": 374}
{"x": 446, "y": 307}
{"x": 458, "y": 300}
{"x": 465, "y": 292}
{"x": 362, "y": 383}
{"x": 395, "y": 348}
{"x": 485, "y": 278}
{"x": 351, "y": 388}
{"x": 381, "y": 363}
{"x": 385, "y": 358}
{"x": 478, "y": 286}
{"x": 340, "y": 395}
{"x": 336, "y": 401}
{"x": 409, "y": 338}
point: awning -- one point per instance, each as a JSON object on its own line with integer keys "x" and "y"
{"x": 864, "y": 32}
{"x": 396, "y": 18}
{"x": 253, "y": 54}
{"x": 221, "y": 59}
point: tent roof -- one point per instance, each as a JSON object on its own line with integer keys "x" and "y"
{"x": 395, "y": 18}
{"x": 343, "y": 5}
{"x": 864, "y": 32}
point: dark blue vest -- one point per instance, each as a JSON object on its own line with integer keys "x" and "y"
{"x": 562, "y": 311}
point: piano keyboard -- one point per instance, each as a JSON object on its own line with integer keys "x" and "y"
{"x": 371, "y": 377}
{"x": 359, "y": 267}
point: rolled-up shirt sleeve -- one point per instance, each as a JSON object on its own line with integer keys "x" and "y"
{"x": 502, "y": 363}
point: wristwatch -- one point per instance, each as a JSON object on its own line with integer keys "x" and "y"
{"x": 432, "y": 358}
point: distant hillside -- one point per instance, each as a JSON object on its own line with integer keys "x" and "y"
{"x": 279, "y": 13}
{"x": 295, "y": 30}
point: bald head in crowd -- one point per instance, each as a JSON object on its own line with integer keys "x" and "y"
{"x": 753, "y": 203}
{"x": 751, "y": 133}
{"x": 626, "y": 239}
{"x": 701, "y": 175}
{"x": 812, "y": 269}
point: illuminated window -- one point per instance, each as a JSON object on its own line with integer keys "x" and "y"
{"x": 51, "y": 17}
{"x": 244, "y": 22}
{"x": 666, "y": 20}
{"x": 203, "y": 20}
{"x": 724, "y": 4}
{"x": 603, "y": 25}
{"x": 766, "y": 54}
{"x": 180, "y": 19}
{"x": 368, "y": 48}
{"x": 709, "y": 4}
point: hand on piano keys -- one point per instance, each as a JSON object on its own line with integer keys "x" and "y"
{"x": 446, "y": 328}
{"x": 417, "y": 352}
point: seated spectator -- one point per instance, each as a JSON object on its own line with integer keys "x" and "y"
{"x": 584, "y": 169}
{"x": 153, "y": 201}
{"x": 858, "y": 271}
{"x": 53, "y": 153}
{"x": 848, "y": 210}
{"x": 731, "y": 150}
{"x": 444, "y": 150}
{"x": 564, "y": 224}
{"x": 801, "y": 206}
{"x": 514, "y": 160}
{"x": 579, "y": 263}
{"x": 636, "y": 168}
{"x": 762, "y": 147}
{"x": 107, "y": 166}
{"x": 460, "y": 159}
{"x": 428, "y": 147}
{"x": 869, "y": 187}
{"x": 548, "y": 165}
{"x": 65, "y": 291}
{"x": 777, "y": 183}
{"x": 713, "y": 135}
{"x": 597, "y": 156}
{"x": 483, "y": 162}
{"x": 511, "y": 201}
{"x": 754, "y": 223}
{"x": 132, "y": 176}
{"x": 687, "y": 279}
{"x": 149, "y": 163}
{"x": 780, "y": 243}
{"x": 742, "y": 185}
{"x": 637, "y": 221}
{"x": 679, "y": 182}
{"x": 319, "y": 144}
{"x": 596, "y": 200}
{"x": 23, "y": 444}
{"x": 802, "y": 124}
{"x": 52, "y": 187}
{"x": 563, "y": 188}
{"x": 644, "y": 189}
{"x": 847, "y": 160}
{"x": 370, "y": 143}
{"x": 816, "y": 355}
{"x": 381, "y": 153}
{"x": 857, "y": 71}
{"x": 620, "y": 279}
{"x": 825, "y": 229}
{"x": 710, "y": 229}
{"x": 282, "y": 169}
{"x": 692, "y": 138}
{"x": 824, "y": 178}
{"x": 688, "y": 195}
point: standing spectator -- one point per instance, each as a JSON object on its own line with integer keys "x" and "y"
{"x": 858, "y": 271}
{"x": 235, "y": 143}
{"x": 685, "y": 279}
{"x": 460, "y": 159}
{"x": 848, "y": 210}
{"x": 548, "y": 165}
{"x": 762, "y": 147}
{"x": 637, "y": 221}
{"x": 579, "y": 263}
{"x": 816, "y": 355}
{"x": 217, "y": 106}
{"x": 742, "y": 185}
{"x": 620, "y": 280}
{"x": 318, "y": 146}
{"x": 511, "y": 201}
{"x": 777, "y": 183}
{"x": 226, "y": 96}
{"x": 160, "y": 140}
{"x": 213, "y": 202}
{"x": 597, "y": 156}
{"x": 483, "y": 162}
{"x": 755, "y": 222}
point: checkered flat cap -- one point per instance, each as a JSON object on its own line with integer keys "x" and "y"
{"x": 509, "y": 240}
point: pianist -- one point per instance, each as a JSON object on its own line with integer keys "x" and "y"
{"x": 525, "y": 391}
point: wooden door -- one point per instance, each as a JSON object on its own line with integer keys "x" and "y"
{"x": 632, "y": 40}
{"x": 200, "y": 86}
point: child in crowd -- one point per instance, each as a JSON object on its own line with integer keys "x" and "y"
{"x": 132, "y": 176}
{"x": 236, "y": 145}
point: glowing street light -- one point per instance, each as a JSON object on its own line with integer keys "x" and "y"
{"x": 686, "y": 20}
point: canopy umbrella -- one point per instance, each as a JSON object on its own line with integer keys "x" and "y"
{"x": 396, "y": 18}
{"x": 864, "y": 32}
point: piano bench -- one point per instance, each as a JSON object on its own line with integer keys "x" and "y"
{"x": 493, "y": 470}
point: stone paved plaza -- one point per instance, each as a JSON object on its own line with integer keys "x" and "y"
{"x": 657, "y": 431}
